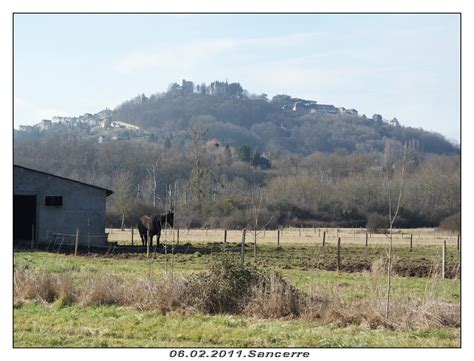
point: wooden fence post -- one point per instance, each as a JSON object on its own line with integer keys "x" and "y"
{"x": 324, "y": 238}
{"x": 147, "y": 244}
{"x": 225, "y": 236}
{"x": 132, "y": 235}
{"x": 338, "y": 253}
{"x": 278, "y": 237}
{"x": 366, "y": 239}
{"x": 411, "y": 242}
{"x": 77, "y": 241}
{"x": 443, "y": 265}
{"x": 32, "y": 236}
{"x": 255, "y": 246}
{"x": 242, "y": 246}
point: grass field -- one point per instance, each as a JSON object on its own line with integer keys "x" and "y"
{"x": 357, "y": 236}
{"x": 304, "y": 265}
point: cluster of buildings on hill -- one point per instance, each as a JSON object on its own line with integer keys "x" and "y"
{"x": 216, "y": 88}
{"x": 88, "y": 123}
{"x": 304, "y": 106}
{"x": 102, "y": 124}
{"x": 309, "y": 106}
{"x": 301, "y": 106}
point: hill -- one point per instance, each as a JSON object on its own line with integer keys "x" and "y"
{"x": 218, "y": 154}
{"x": 233, "y": 116}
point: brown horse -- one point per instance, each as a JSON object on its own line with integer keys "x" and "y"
{"x": 152, "y": 226}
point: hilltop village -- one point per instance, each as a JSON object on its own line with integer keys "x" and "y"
{"x": 102, "y": 126}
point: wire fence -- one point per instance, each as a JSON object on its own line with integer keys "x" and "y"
{"x": 355, "y": 236}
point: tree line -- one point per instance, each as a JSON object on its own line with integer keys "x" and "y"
{"x": 215, "y": 184}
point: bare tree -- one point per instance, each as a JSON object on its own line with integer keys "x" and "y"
{"x": 124, "y": 193}
{"x": 152, "y": 172}
{"x": 196, "y": 132}
{"x": 257, "y": 197}
{"x": 393, "y": 211}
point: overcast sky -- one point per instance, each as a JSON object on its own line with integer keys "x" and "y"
{"x": 404, "y": 66}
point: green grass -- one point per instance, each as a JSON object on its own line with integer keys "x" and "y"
{"x": 57, "y": 325}
{"x": 356, "y": 286}
{"x": 137, "y": 265}
{"x": 422, "y": 261}
{"x": 352, "y": 286}
{"x": 39, "y": 325}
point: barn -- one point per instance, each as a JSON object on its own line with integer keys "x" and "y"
{"x": 47, "y": 206}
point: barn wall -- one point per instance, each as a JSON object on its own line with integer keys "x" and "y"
{"x": 83, "y": 206}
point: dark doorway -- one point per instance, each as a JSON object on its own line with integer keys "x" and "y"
{"x": 24, "y": 218}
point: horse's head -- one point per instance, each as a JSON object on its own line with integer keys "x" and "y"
{"x": 166, "y": 218}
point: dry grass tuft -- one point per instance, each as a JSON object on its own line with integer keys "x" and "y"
{"x": 42, "y": 286}
{"x": 273, "y": 297}
{"x": 103, "y": 290}
{"x": 164, "y": 295}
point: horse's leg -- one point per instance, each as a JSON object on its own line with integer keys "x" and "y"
{"x": 158, "y": 239}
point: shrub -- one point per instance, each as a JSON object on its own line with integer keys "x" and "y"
{"x": 451, "y": 223}
{"x": 231, "y": 287}
{"x": 273, "y": 297}
{"x": 376, "y": 223}
{"x": 224, "y": 288}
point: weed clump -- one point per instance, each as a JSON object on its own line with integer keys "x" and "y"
{"x": 232, "y": 287}
{"x": 103, "y": 290}
{"x": 42, "y": 285}
{"x": 225, "y": 288}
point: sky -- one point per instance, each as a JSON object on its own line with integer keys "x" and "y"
{"x": 403, "y": 66}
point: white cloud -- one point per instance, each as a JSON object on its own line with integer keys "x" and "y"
{"x": 183, "y": 56}
{"x": 193, "y": 55}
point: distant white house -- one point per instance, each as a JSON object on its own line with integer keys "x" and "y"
{"x": 26, "y": 128}
{"x": 45, "y": 124}
{"x": 116, "y": 124}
